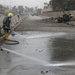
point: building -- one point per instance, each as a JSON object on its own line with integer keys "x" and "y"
{"x": 47, "y": 7}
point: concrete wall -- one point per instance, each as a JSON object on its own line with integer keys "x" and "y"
{"x": 56, "y": 14}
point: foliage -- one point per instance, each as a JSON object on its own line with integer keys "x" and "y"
{"x": 14, "y": 10}
{"x": 1, "y": 9}
{"x": 63, "y": 4}
{"x": 20, "y": 9}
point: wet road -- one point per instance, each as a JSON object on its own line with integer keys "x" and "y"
{"x": 35, "y": 23}
{"x": 38, "y": 53}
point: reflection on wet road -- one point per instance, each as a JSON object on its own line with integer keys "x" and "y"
{"x": 39, "y": 53}
{"x": 63, "y": 49}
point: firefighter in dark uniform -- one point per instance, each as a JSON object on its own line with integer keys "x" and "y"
{"x": 6, "y": 25}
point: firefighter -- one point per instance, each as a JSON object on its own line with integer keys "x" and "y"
{"x": 6, "y": 25}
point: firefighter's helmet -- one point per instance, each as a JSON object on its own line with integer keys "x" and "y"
{"x": 10, "y": 15}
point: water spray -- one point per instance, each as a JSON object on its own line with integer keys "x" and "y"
{"x": 25, "y": 56}
{"x": 44, "y": 63}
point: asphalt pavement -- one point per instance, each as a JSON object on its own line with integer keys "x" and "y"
{"x": 36, "y": 23}
{"x": 39, "y": 51}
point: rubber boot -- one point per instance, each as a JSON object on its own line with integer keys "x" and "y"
{"x": 6, "y": 37}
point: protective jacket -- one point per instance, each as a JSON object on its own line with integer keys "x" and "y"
{"x": 6, "y": 22}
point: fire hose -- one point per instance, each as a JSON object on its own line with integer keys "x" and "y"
{"x": 10, "y": 42}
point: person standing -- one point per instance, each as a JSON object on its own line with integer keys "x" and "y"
{"x": 6, "y": 25}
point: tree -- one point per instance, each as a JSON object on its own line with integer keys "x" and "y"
{"x": 26, "y": 9}
{"x": 1, "y": 9}
{"x": 14, "y": 10}
{"x": 31, "y": 9}
{"x": 63, "y": 4}
{"x": 20, "y": 9}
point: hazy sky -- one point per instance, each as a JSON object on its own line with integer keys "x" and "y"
{"x": 29, "y": 3}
